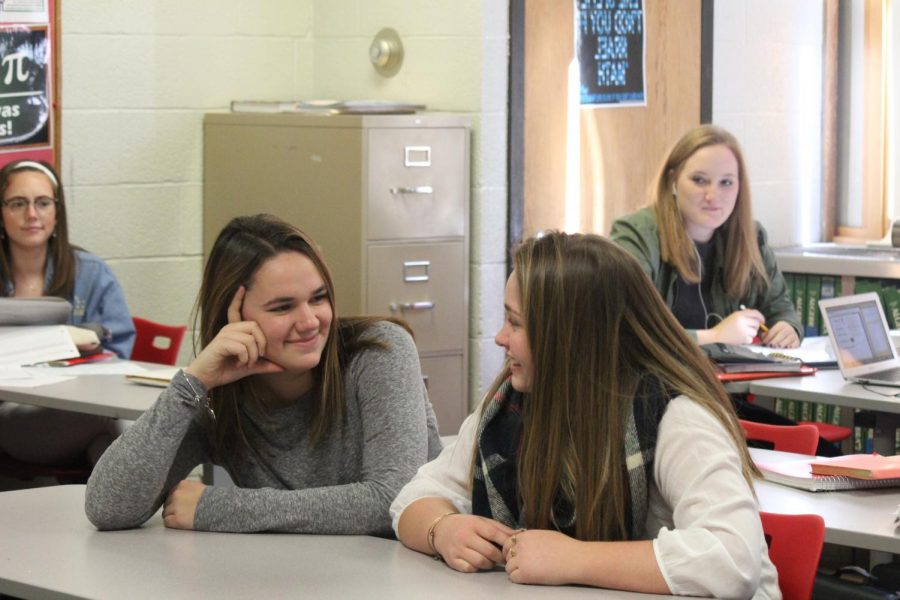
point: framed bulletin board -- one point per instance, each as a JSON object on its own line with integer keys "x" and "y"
{"x": 29, "y": 80}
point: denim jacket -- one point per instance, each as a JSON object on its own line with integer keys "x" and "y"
{"x": 97, "y": 299}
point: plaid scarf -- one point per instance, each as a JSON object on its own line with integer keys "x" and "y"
{"x": 499, "y": 438}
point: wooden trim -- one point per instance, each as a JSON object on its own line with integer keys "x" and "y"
{"x": 874, "y": 206}
{"x": 707, "y": 28}
{"x": 516, "y": 125}
{"x": 56, "y": 107}
{"x": 830, "y": 56}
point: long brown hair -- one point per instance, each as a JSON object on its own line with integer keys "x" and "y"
{"x": 595, "y": 327}
{"x": 240, "y": 250}
{"x": 59, "y": 251}
{"x": 743, "y": 262}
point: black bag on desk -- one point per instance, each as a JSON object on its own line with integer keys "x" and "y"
{"x": 852, "y": 583}
{"x": 47, "y": 310}
{"x": 730, "y": 353}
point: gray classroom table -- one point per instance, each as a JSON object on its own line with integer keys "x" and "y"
{"x": 48, "y": 549}
{"x": 103, "y": 395}
{"x": 857, "y": 518}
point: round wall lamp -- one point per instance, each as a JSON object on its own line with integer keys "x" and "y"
{"x": 386, "y": 52}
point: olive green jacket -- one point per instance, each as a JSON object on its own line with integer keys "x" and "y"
{"x": 638, "y": 233}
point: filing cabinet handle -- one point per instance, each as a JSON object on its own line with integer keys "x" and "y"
{"x": 411, "y": 267}
{"x": 418, "y": 189}
{"x": 404, "y": 306}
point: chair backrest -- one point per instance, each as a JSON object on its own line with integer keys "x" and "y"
{"x": 155, "y": 342}
{"x": 802, "y": 439}
{"x": 795, "y": 546}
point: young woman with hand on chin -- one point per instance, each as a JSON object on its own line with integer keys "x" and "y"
{"x": 318, "y": 420}
{"x": 606, "y": 453}
{"x": 703, "y": 251}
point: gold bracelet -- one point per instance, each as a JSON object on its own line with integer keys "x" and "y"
{"x": 430, "y": 534}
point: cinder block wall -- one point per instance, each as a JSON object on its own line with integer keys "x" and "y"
{"x": 767, "y": 90}
{"x": 137, "y": 78}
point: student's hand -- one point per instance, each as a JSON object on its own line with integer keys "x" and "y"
{"x": 238, "y": 350}
{"x": 469, "y": 543}
{"x": 781, "y": 335}
{"x": 181, "y": 504}
{"x": 541, "y": 557}
{"x": 740, "y": 327}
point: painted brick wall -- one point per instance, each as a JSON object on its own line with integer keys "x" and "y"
{"x": 138, "y": 76}
{"x": 767, "y": 90}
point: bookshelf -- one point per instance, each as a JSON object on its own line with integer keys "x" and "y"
{"x": 816, "y": 271}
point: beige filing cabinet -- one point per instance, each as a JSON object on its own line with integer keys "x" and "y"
{"x": 387, "y": 199}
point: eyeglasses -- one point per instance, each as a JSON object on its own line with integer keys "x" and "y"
{"x": 41, "y": 204}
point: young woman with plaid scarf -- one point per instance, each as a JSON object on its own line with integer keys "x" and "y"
{"x": 606, "y": 453}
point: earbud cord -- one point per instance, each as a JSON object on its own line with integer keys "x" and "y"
{"x": 706, "y": 313}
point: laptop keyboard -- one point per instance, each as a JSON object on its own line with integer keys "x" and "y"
{"x": 886, "y": 375}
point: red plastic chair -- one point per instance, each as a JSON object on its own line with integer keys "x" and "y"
{"x": 801, "y": 439}
{"x": 795, "y": 546}
{"x": 155, "y": 342}
{"x": 829, "y": 432}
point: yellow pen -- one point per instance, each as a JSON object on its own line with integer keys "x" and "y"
{"x": 762, "y": 326}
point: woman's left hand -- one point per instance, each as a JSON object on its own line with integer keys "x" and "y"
{"x": 181, "y": 504}
{"x": 781, "y": 335}
{"x": 540, "y": 556}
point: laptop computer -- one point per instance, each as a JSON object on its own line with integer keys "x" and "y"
{"x": 861, "y": 339}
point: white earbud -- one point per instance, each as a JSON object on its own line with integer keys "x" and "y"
{"x": 674, "y": 191}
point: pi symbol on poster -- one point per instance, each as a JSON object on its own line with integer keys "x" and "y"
{"x": 24, "y": 96}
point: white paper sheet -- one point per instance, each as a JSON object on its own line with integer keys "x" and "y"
{"x": 15, "y": 376}
{"x": 28, "y": 345}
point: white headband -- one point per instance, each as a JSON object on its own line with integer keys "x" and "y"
{"x": 30, "y": 164}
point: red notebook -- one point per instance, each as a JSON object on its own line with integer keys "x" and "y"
{"x": 726, "y": 377}
{"x": 860, "y": 466}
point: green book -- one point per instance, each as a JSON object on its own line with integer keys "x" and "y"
{"x": 805, "y": 411}
{"x": 799, "y": 296}
{"x": 790, "y": 281}
{"x": 828, "y": 289}
{"x": 891, "y": 298}
{"x": 793, "y": 409}
{"x": 811, "y": 315}
{"x": 819, "y": 414}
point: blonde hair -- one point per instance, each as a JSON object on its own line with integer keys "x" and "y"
{"x": 596, "y": 327}
{"x": 742, "y": 261}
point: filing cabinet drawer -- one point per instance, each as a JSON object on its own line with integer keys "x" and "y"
{"x": 421, "y": 284}
{"x": 444, "y": 381}
{"x": 417, "y": 183}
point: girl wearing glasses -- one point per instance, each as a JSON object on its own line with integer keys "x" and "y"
{"x": 36, "y": 259}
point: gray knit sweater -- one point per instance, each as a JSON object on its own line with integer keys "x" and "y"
{"x": 344, "y": 485}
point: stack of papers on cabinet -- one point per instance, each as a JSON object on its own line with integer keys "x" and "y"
{"x": 328, "y": 107}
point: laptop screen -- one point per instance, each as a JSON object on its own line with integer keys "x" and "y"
{"x": 859, "y": 334}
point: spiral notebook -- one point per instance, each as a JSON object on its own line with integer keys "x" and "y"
{"x": 797, "y": 473}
